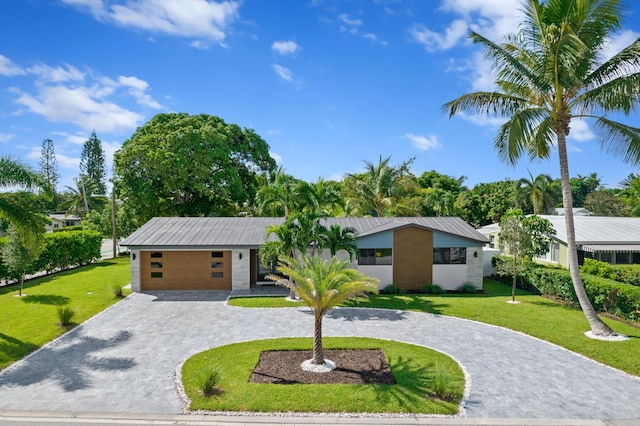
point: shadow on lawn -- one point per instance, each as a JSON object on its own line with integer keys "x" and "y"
{"x": 69, "y": 363}
{"x": 46, "y": 299}
{"x": 12, "y": 348}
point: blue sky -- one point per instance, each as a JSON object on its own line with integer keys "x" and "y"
{"x": 326, "y": 83}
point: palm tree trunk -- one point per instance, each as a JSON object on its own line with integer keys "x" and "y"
{"x": 318, "y": 353}
{"x": 598, "y": 327}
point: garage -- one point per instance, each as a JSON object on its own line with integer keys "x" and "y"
{"x": 185, "y": 270}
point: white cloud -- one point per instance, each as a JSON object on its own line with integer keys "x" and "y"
{"x": 348, "y": 21}
{"x": 580, "y": 131}
{"x": 276, "y": 157}
{"x": 68, "y": 162}
{"x": 483, "y": 121}
{"x": 283, "y": 73}
{"x": 202, "y": 19}
{"x": 133, "y": 82}
{"x": 423, "y": 143}
{"x": 6, "y": 137}
{"x": 614, "y": 45}
{"x": 56, "y": 75}
{"x": 285, "y": 47}
{"x": 8, "y": 68}
{"x": 433, "y": 41}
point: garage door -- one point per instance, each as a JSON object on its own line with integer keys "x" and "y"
{"x": 185, "y": 270}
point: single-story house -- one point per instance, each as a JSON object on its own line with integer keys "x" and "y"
{"x": 62, "y": 220}
{"x": 188, "y": 253}
{"x": 614, "y": 240}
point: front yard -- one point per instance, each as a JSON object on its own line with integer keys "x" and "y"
{"x": 28, "y": 322}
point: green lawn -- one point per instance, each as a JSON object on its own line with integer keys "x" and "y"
{"x": 535, "y": 315}
{"x": 28, "y": 322}
{"x": 412, "y": 366}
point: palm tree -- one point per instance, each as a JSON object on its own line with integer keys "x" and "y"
{"x": 321, "y": 197}
{"x": 279, "y": 197}
{"x": 336, "y": 238}
{"x": 550, "y": 73}
{"x": 283, "y": 246}
{"x": 536, "y": 191}
{"x": 380, "y": 187}
{"x": 322, "y": 285}
{"x": 14, "y": 174}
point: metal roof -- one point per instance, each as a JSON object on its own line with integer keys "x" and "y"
{"x": 251, "y": 231}
{"x": 596, "y": 230}
{"x": 624, "y": 248}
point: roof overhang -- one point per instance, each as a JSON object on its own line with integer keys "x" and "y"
{"x": 624, "y": 248}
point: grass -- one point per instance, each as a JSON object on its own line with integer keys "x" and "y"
{"x": 413, "y": 367}
{"x": 28, "y": 322}
{"x": 535, "y": 315}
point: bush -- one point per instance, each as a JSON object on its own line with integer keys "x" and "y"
{"x": 392, "y": 289}
{"x": 628, "y": 274}
{"x": 467, "y": 288}
{"x": 431, "y": 289}
{"x": 441, "y": 383}
{"x": 65, "y": 314}
{"x": 117, "y": 291}
{"x": 66, "y": 249}
{"x": 68, "y": 228}
{"x": 208, "y": 380}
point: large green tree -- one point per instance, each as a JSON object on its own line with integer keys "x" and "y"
{"x": 550, "y": 73}
{"x": 190, "y": 165}
{"x": 93, "y": 164}
{"x": 323, "y": 285}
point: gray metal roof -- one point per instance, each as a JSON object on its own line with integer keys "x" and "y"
{"x": 599, "y": 229}
{"x": 251, "y": 231}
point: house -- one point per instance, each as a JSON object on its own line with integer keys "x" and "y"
{"x": 61, "y": 220}
{"x": 222, "y": 253}
{"x": 614, "y": 240}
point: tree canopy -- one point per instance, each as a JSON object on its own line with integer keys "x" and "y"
{"x": 182, "y": 165}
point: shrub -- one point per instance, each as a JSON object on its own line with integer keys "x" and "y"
{"x": 65, "y": 314}
{"x": 65, "y": 249}
{"x": 392, "y": 289}
{"x": 431, "y": 289}
{"x": 467, "y": 288}
{"x": 208, "y": 380}
{"x": 628, "y": 274}
{"x": 441, "y": 383}
{"x": 68, "y": 228}
{"x": 117, "y": 290}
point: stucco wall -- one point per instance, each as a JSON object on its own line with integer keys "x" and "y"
{"x": 382, "y": 272}
{"x": 475, "y": 266}
{"x": 135, "y": 270}
{"x": 449, "y": 277}
{"x": 240, "y": 269}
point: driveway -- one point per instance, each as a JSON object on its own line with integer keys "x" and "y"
{"x": 124, "y": 359}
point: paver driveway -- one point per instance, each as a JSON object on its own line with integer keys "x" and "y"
{"x": 124, "y": 359}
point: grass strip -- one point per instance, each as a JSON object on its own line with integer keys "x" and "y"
{"x": 417, "y": 371}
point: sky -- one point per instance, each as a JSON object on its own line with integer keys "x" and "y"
{"x": 329, "y": 84}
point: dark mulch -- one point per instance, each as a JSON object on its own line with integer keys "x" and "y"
{"x": 353, "y": 366}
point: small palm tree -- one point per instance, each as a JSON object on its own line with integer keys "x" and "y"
{"x": 536, "y": 191}
{"x": 323, "y": 285}
{"x": 14, "y": 174}
{"x": 336, "y": 238}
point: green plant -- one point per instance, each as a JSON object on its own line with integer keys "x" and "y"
{"x": 208, "y": 380}
{"x": 117, "y": 290}
{"x": 467, "y": 288}
{"x": 65, "y": 315}
{"x": 442, "y": 385}
{"x": 431, "y": 289}
{"x": 392, "y": 289}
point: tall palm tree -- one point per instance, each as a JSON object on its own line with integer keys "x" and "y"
{"x": 321, "y": 197}
{"x": 323, "y": 285}
{"x": 14, "y": 174}
{"x": 283, "y": 246}
{"x": 536, "y": 191}
{"x": 550, "y": 73}
{"x": 279, "y": 197}
{"x": 336, "y": 238}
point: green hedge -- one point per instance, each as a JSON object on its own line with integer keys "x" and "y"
{"x": 606, "y": 295}
{"x": 62, "y": 251}
{"x": 628, "y": 274}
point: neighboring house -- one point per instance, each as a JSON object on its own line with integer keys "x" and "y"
{"x": 61, "y": 220}
{"x": 183, "y": 253}
{"x": 577, "y": 211}
{"x": 614, "y": 240}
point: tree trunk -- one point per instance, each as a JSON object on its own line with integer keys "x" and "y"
{"x": 598, "y": 327}
{"x": 21, "y": 284}
{"x": 318, "y": 353}
{"x": 515, "y": 277}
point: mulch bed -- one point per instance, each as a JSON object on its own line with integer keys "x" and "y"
{"x": 353, "y": 366}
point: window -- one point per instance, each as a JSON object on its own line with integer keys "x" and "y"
{"x": 156, "y": 254}
{"x": 492, "y": 241}
{"x": 622, "y": 258}
{"x": 155, "y": 265}
{"x": 635, "y": 258}
{"x": 606, "y": 257}
{"x": 217, "y": 254}
{"x": 217, "y": 275}
{"x": 217, "y": 264}
{"x": 450, "y": 256}
{"x": 156, "y": 275}
{"x": 554, "y": 252}
{"x": 375, "y": 256}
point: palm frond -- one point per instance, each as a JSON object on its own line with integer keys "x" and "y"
{"x": 619, "y": 94}
{"x": 485, "y": 103}
{"x": 619, "y": 139}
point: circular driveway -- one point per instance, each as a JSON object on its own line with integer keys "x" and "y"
{"x": 124, "y": 359}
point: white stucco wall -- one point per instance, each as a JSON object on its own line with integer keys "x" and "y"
{"x": 134, "y": 257}
{"x": 449, "y": 277}
{"x": 240, "y": 269}
{"x": 475, "y": 266}
{"x": 487, "y": 255}
{"x": 382, "y": 272}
